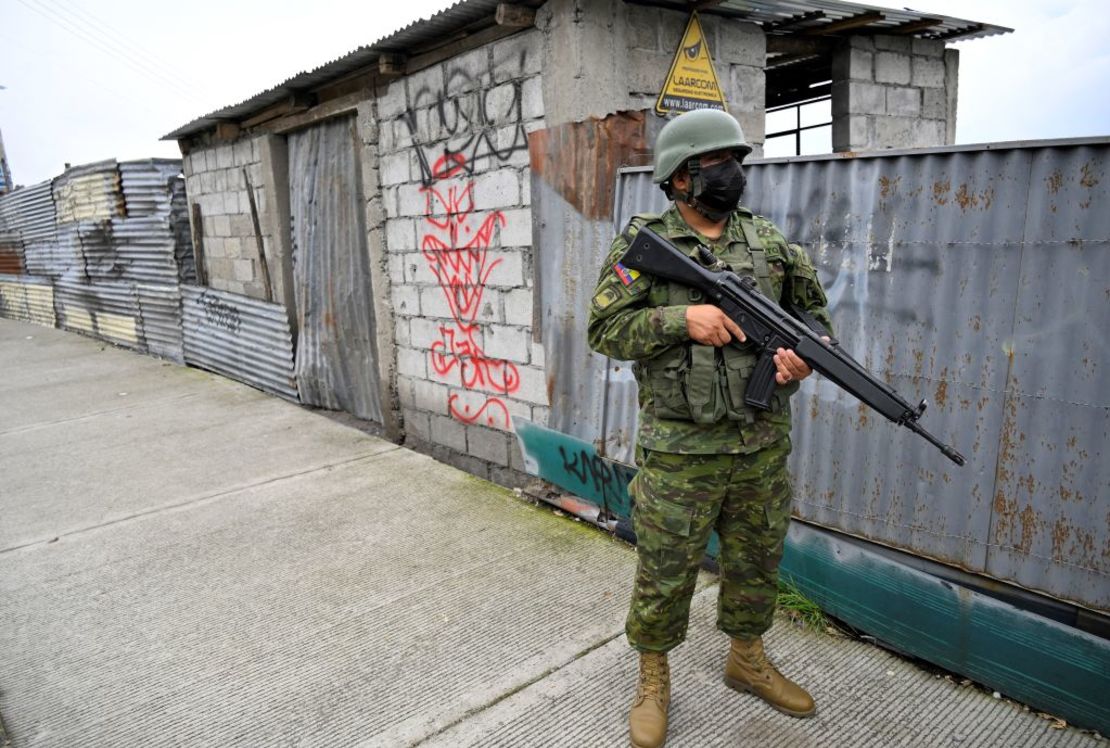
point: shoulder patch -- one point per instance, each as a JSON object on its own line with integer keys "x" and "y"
{"x": 627, "y": 275}
{"x": 605, "y": 297}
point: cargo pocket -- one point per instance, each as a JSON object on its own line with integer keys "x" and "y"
{"x": 663, "y": 530}
{"x": 668, "y": 381}
{"x": 703, "y": 386}
{"x": 738, "y": 367}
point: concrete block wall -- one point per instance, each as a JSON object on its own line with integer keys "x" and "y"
{"x": 452, "y": 214}
{"x": 607, "y": 56}
{"x": 214, "y": 179}
{"x": 893, "y": 92}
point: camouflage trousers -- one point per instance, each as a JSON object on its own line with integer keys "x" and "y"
{"x": 680, "y": 499}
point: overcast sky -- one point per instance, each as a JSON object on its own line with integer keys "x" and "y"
{"x": 86, "y": 81}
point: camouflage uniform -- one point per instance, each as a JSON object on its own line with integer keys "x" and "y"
{"x": 706, "y": 460}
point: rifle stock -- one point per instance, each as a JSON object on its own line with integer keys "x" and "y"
{"x": 769, "y": 327}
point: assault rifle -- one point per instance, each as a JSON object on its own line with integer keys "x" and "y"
{"x": 769, "y": 327}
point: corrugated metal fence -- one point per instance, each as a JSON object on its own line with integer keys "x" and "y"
{"x": 108, "y": 253}
{"x": 978, "y": 278}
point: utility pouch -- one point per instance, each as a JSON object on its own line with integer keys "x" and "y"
{"x": 703, "y": 387}
{"x": 738, "y": 367}
{"x": 667, "y": 375}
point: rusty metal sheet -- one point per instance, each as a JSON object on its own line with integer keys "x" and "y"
{"x": 336, "y": 345}
{"x": 11, "y": 254}
{"x": 939, "y": 265}
{"x": 240, "y": 337}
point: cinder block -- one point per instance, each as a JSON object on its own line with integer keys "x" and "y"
{"x": 497, "y": 189}
{"x": 366, "y": 122}
{"x": 234, "y": 286}
{"x": 448, "y": 432}
{"x": 853, "y": 132}
{"x": 400, "y": 234}
{"x": 539, "y": 357}
{"x": 433, "y": 303}
{"x": 231, "y": 203}
{"x": 934, "y": 103}
{"x": 412, "y": 362}
{"x": 392, "y": 102}
{"x": 904, "y": 102}
{"x": 430, "y": 396}
{"x": 424, "y": 332}
{"x": 747, "y": 87}
{"x": 243, "y": 270}
{"x": 541, "y": 414}
{"x": 512, "y": 147}
{"x": 518, "y": 308}
{"x": 396, "y": 268}
{"x": 927, "y": 47}
{"x": 509, "y": 271}
{"x": 402, "y": 334}
{"x": 739, "y": 44}
{"x": 518, "y": 56}
{"x": 405, "y": 392}
{"x": 241, "y": 152}
{"x": 406, "y": 299}
{"x": 417, "y": 270}
{"x": 242, "y": 226}
{"x": 850, "y": 63}
{"x": 862, "y": 42}
{"x": 533, "y": 386}
{"x": 508, "y": 343}
{"x": 892, "y": 67}
{"x": 893, "y": 43}
{"x": 468, "y": 72}
{"x": 526, "y": 191}
{"x": 411, "y": 200}
{"x": 517, "y": 229}
{"x": 499, "y": 105}
{"x": 895, "y": 132}
{"x": 221, "y": 226}
{"x": 866, "y": 98}
{"x": 426, "y": 87}
{"x": 531, "y": 98}
{"x": 225, "y": 159}
{"x": 929, "y": 132}
{"x": 489, "y": 309}
{"x": 488, "y": 444}
{"x": 394, "y": 168}
{"x": 416, "y": 423}
{"x": 928, "y": 72}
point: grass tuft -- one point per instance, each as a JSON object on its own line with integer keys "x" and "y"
{"x": 799, "y": 608}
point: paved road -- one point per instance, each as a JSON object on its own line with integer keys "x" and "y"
{"x": 186, "y": 561}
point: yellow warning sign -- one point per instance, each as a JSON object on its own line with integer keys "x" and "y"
{"x": 692, "y": 82}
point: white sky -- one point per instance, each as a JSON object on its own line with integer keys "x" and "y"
{"x": 86, "y": 80}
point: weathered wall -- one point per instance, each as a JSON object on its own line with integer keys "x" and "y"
{"x": 216, "y": 179}
{"x": 607, "y": 56}
{"x": 453, "y": 168}
{"x": 893, "y": 92}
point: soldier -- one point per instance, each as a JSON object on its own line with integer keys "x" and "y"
{"x": 706, "y": 459}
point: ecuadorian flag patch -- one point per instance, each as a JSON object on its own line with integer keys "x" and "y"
{"x": 627, "y": 275}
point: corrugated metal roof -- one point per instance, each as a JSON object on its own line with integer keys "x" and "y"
{"x": 801, "y": 16}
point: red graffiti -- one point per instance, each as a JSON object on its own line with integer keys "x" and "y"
{"x": 457, "y": 252}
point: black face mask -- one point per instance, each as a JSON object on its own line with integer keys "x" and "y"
{"x": 717, "y": 189}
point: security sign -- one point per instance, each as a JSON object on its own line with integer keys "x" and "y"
{"x": 692, "y": 82}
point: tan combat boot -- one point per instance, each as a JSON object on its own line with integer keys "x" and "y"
{"x": 748, "y": 669}
{"x": 647, "y": 721}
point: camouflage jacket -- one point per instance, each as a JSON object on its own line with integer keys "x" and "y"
{"x": 640, "y": 318}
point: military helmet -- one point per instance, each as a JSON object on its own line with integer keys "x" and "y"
{"x": 694, "y": 133}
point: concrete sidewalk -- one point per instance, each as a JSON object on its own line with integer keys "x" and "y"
{"x": 186, "y": 561}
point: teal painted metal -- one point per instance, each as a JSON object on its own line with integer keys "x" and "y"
{"x": 1048, "y": 665}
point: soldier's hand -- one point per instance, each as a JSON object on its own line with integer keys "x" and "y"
{"x": 708, "y": 325}
{"x": 790, "y": 367}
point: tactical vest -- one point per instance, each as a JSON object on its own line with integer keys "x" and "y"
{"x": 704, "y": 383}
